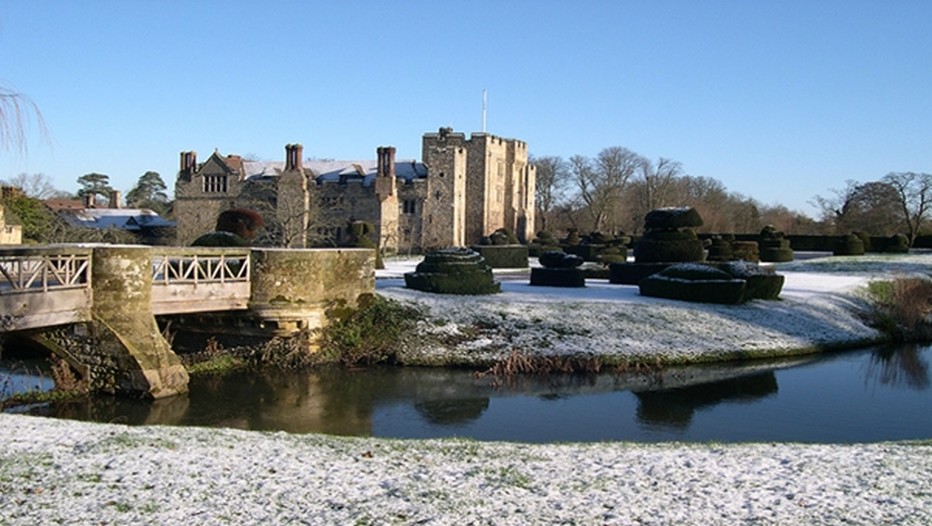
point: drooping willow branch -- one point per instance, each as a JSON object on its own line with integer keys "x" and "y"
{"x": 16, "y": 109}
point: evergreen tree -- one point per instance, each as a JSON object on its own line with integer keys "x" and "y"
{"x": 149, "y": 192}
{"x": 95, "y": 184}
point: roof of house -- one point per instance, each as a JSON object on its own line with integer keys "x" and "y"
{"x": 332, "y": 171}
{"x": 131, "y": 219}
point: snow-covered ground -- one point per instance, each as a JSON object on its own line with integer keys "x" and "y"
{"x": 61, "y": 472}
{"x": 818, "y": 309}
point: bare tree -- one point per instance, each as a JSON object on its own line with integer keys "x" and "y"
{"x": 38, "y": 186}
{"x": 601, "y": 183}
{"x": 873, "y": 207}
{"x": 914, "y": 196}
{"x": 552, "y": 178}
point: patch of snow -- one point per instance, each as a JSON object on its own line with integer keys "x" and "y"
{"x": 56, "y": 471}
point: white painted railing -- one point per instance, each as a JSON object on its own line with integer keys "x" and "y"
{"x": 36, "y": 270}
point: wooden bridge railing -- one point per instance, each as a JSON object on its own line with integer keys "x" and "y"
{"x": 25, "y": 270}
{"x": 44, "y": 286}
{"x": 186, "y": 280}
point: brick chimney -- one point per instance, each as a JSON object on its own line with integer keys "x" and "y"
{"x": 115, "y": 199}
{"x": 386, "y": 161}
{"x": 294, "y": 154}
{"x": 188, "y": 162}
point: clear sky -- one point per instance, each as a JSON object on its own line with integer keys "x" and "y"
{"x": 779, "y": 100}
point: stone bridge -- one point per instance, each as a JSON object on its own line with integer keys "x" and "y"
{"x": 95, "y": 306}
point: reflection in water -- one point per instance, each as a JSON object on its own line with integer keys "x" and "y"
{"x": 817, "y": 394}
{"x": 675, "y": 407}
{"x": 898, "y": 365}
{"x": 450, "y": 412}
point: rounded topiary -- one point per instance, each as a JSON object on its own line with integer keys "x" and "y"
{"x": 656, "y": 251}
{"x": 849, "y": 245}
{"x": 613, "y": 254}
{"x": 720, "y": 250}
{"x": 453, "y": 271}
{"x": 598, "y": 238}
{"x": 865, "y": 240}
{"x": 897, "y": 243}
{"x": 559, "y": 270}
{"x": 545, "y": 238}
{"x": 502, "y": 236}
{"x": 672, "y": 218}
{"x": 572, "y": 237}
{"x": 686, "y": 234}
{"x": 220, "y": 239}
{"x": 692, "y": 282}
{"x": 556, "y": 259}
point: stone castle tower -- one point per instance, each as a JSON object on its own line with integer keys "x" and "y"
{"x": 486, "y": 180}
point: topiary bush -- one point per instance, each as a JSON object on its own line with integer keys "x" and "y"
{"x": 650, "y": 250}
{"x": 897, "y": 243}
{"x": 720, "y": 250}
{"x": 849, "y": 245}
{"x": 453, "y": 271}
{"x": 728, "y": 283}
{"x": 725, "y": 291}
{"x": 559, "y": 270}
{"x": 504, "y": 256}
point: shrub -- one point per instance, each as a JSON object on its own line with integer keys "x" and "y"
{"x": 453, "y": 271}
{"x": 504, "y": 256}
{"x": 672, "y": 218}
{"x": 656, "y": 251}
{"x": 373, "y": 332}
{"x": 558, "y": 277}
{"x": 902, "y": 307}
{"x": 850, "y": 245}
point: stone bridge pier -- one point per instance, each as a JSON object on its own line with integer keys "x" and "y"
{"x": 120, "y": 350}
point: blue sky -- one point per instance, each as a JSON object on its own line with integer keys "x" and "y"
{"x": 779, "y": 100}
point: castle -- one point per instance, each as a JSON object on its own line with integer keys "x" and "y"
{"x": 462, "y": 190}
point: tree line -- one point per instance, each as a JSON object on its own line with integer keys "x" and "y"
{"x": 613, "y": 191}
{"x": 41, "y": 225}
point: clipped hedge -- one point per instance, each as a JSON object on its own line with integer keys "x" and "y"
{"x": 453, "y": 271}
{"x": 633, "y": 273}
{"x": 672, "y": 219}
{"x": 650, "y": 250}
{"x": 727, "y": 291}
{"x": 504, "y": 256}
{"x": 558, "y": 277}
{"x": 728, "y": 283}
{"x": 850, "y": 245}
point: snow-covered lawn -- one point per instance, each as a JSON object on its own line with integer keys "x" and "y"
{"x": 819, "y": 308}
{"x": 62, "y": 472}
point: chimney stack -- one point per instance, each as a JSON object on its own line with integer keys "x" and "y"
{"x": 386, "y": 161}
{"x": 188, "y": 162}
{"x": 115, "y": 199}
{"x": 293, "y": 157}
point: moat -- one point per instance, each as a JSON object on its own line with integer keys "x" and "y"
{"x": 868, "y": 395}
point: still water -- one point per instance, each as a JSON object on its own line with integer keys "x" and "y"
{"x": 859, "y": 396}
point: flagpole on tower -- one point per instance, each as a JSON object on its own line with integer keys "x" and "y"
{"x": 485, "y": 107}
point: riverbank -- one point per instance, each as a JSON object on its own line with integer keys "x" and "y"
{"x": 819, "y": 309}
{"x": 55, "y": 471}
